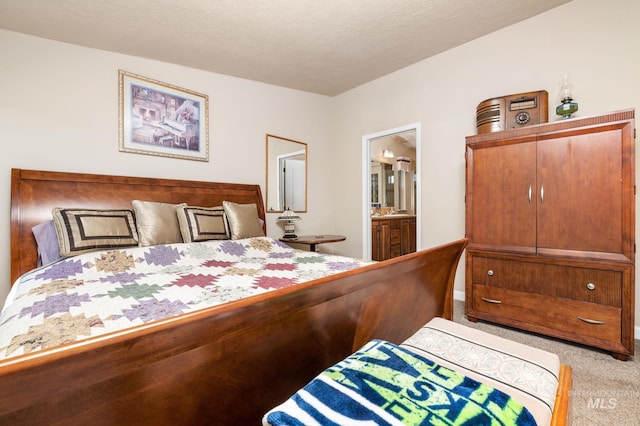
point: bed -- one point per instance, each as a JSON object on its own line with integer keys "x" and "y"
{"x": 227, "y": 364}
{"x": 224, "y": 364}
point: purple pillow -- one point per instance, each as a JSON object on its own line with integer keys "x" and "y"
{"x": 47, "y": 241}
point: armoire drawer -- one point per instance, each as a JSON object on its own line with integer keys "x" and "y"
{"x": 569, "y": 316}
{"x": 591, "y": 285}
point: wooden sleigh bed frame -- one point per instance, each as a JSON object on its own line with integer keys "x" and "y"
{"x": 227, "y": 364}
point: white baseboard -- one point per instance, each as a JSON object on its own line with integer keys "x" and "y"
{"x": 459, "y": 295}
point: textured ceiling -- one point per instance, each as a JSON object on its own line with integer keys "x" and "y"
{"x": 319, "y": 46}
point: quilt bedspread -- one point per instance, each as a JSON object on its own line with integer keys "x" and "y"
{"x": 100, "y": 292}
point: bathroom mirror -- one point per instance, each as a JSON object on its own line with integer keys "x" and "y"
{"x": 382, "y": 184}
{"x": 392, "y": 173}
{"x": 286, "y": 174}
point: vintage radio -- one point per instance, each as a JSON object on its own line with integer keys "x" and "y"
{"x": 512, "y": 111}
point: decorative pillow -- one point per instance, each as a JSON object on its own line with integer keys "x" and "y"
{"x": 243, "y": 220}
{"x": 83, "y": 230}
{"x": 47, "y": 242}
{"x": 202, "y": 223}
{"x": 157, "y": 222}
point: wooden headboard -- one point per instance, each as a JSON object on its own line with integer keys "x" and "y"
{"x": 34, "y": 193}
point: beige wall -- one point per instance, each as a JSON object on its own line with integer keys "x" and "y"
{"x": 58, "y": 111}
{"x": 595, "y": 42}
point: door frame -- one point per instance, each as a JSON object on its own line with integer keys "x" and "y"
{"x": 366, "y": 185}
{"x": 282, "y": 177}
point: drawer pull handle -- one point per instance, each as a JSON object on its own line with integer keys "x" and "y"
{"x": 497, "y": 302}
{"x": 490, "y": 272}
{"x": 590, "y": 321}
{"x": 591, "y": 286}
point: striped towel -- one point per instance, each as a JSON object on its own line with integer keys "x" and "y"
{"x": 384, "y": 384}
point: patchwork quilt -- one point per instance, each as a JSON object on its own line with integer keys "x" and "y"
{"x": 100, "y": 292}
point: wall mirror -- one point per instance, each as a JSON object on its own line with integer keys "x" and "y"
{"x": 286, "y": 175}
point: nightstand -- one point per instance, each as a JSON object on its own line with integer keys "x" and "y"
{"x": 313, "y": 240}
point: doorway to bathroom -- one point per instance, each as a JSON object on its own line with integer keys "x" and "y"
{"x": 391, "y": 192}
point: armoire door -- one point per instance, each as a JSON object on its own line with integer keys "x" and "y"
{"x": 501, "y": 185}
{"x": 580, "y": 193}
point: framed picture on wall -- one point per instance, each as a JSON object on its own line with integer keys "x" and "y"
{"x": 161, "y": 119}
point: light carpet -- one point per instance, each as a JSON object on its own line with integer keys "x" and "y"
{"x": 605, "y": 391}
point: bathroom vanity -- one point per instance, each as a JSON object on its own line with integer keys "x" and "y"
{"x": 392, "y": 236}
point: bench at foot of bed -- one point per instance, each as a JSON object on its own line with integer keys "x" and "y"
{"x": 445, "y": 369}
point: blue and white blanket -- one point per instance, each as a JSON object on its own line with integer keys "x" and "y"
{"x": 384, "y": 384}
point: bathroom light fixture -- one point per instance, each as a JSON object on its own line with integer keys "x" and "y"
{"x": 289, "y": 216}
{"x": 387, "y": 153}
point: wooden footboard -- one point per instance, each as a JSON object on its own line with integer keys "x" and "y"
{"x": 228, "y": 364}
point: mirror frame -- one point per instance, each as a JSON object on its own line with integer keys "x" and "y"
{"x": 278, "y": 147}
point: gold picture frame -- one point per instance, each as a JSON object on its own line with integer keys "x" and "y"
{"x": 157, "y": 118}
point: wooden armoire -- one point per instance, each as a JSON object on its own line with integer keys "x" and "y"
{"x": 550, "y": 218}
